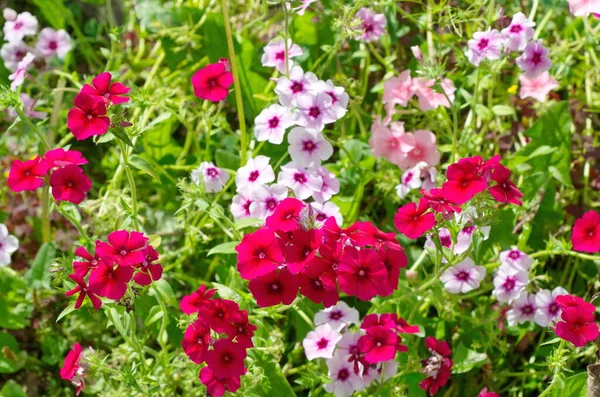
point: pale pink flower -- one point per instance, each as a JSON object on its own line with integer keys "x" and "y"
{"x": 214, "y": 178}
{"x": 428, "y": 98}
{"x": 534, "y": 60}
{"x": 271, "y": 123}
{"x": 308, "y": 147}
{"x": 28, "y": 108}
{"x": 463, "y": 277}
{"x": 398, "y": 91}
{"x": 344, "y": 382}
{"x": 53, "y": 43}
{"x": 298, "y": 83}
{"x": 303, "y": 181}
{"x": 523, "y": 309}
{"x": 266, "y": 199}
{"x": 18, "y": 76}
{"x": 321, "y": 342}
{"x": 348, "y": 345}
{"x": 241, "y": 202}
{"x": 331, "y": 185}
{"x": 339, "y": 97}
{"x": 391, "y": 143}
{"x": 445, "y": 239}
{"x": 13, "y": 53}
{"x": 465, "y": 237}
{"x": 315, "y": 110}
{"x": 516, "y": 259}
{"x": 304, "y": 4}
{"x": 420, "y": 146}
{"x": 583, "y": 8}
{"x": 9, "y": 14}
{"x": 518, "y": 33}
{"x": 411, "y": 179}
{"x": 548, "y": 310}
{"x": 373, "y": 24}
{"x": 23, "y": 25}
{"x": 509, "y": 283}
{"x": 338, "y": 316}
{"x": 537, "y": 87}
{"x": 485, "y": 45}
{"x": 257, "y": 171}
{"x": 323, "y": 211}
{"x": 274, "y": 54}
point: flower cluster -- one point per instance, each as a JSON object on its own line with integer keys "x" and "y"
{"x": 356, "y": 359}
{"x": 437, "y": 367}
{"x": 586, "y": 233}
{"x": 89, "y": 117}
{"x": 578, "y": 324}
{"x": 8, "y": 245}
{"x": 465, "y": 179}
{"x": 213, "y": 81}
{"x": 421, "y": 176}
{"x": 219, "y": 337}
{"x": 58, "y": 167}
{"x": 372, "y": 24}
{"x": 287, "y": 255}
{"x": 75, "y": 366}
{"x": 126, "y": 256}
{"x": 18, "y": 53}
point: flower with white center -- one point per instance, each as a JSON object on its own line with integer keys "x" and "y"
{"x": 374, "y": 373}
{"x": 275, "y": 54}
{"x": 338, "y": 316}
{"x": 323, "y": 211}
{"x": 23, "y": 25}
{"x": 348, "y": 345}
{"x": 373, "y": 25}
{"x": 344, "y": 382}
{"x": 518, "y": 33}
{"x": 18, "y": 76}
{"x": 13, "y": 53}
{"x": 214, "y": 178}
{"x": 303, "y": 181}
{"x": 315, "y": 110}
{"x": 321, "y": 342}
{"x": 53, "y": 43}
{"x": 308, "y": 147}
{"x": 523, "y": 309}
{"x": 509, "y": 283}
{"x": 257, "y": 171}
{"x": 271, "y": 123}
{"x": 534, "y": 60}
{"x": 241, "y": 202}
{"x": 548, "y": 310}
{"x": 298, "y": 83}
{"x": 411, "y": 179}
{"x": 485, "y": 45}
{"x": 8, "y": 245}
{"x": 28, "y": 108}
{"x": 331, "y": 185}
{"x": 463, "y": 277}
{"x": 339, "y": 97}
{"x": 516, "y": 259}
{"x": 266, "y": 199}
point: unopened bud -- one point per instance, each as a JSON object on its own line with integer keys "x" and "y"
{"x": 9, "y": 14}
{"x": 417, "y": 53}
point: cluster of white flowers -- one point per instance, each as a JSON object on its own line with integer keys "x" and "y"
{"x": 18, "y": 54}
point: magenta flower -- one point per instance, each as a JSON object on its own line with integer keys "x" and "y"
{"x": 226, "y": 359}
{"x": 123, "y": 247}
{"x": 69, "y": 183}
{"x": 196, "y": 341}
{"x": 379, "y": 344}
{"x": 60, "y": 158}
{"x": 84, "y": 290}
{"x": 534, "y": 60}
{"x": 578, "y": 324}
{"x": 88, "y": 117}
{"x": 198, "y": 299}
{"x": 212, "y": 82}
{"x": 101, "y": 87}
{"x": 373, "y": 24}
{"x": 110, "y": 281}
{"x": 586, "y": 233}
{"x": 148, "y": 270}
{"x": 518, "y": 33}
{"x": 271, "y": 289}
{"x": 485, "y": 45}
{"x": 413, "y": 221}
{"x": 361, "y": 273}
{"x": 27, "y": 175}
{"x": 259, "y": 253}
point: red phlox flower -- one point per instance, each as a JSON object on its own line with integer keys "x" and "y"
{"x": 386, "y": 320}
{"x": 403, "y": 327}
{"x": 212, "y": 82}
{"x": 464, "y": 182}
{"x": 69, "y": 183}
{"x": 193, "y": 302}
{"x": 332, "y": 233}
{"x": 103, "y": 89}
{"x": 259, "y": 253}
{"x": 586, "y": 233}
{"x": 110, "y": 281}
{"x": 331, "y": 252}
{"x": 82, "y": 268}
{"x": 393, "y": 260}
{"x": 279, "y": 286}
{"x": 123, "y": 247}
{"x": 413, "y": 221}
{"x": 60, "y": 157}
{"x": 218, "y": 313}
{"x": 216, "y": 387}
{"x": 88, "y": 117}
{"x": 379, "y": 344}
{"x": 286, "y": 216}
{"x": 27, "y": 175}
{"x": 301, "y": 247}
{"x": 577, "y": 325}
{"x": 148, "y": 270}
{"x": 366, "y": 234}
{"x": 318, "y": 282}
{"x": 485, "y": 393}
{"x": 361, "y": 273}
{"x": 242, "y": 330}
{"x": 439, "y": 203}
{"x": 226, "y": 359}
{"x": 196, "y": 341}
{"x": 84, "y": 290}
{"x": 71, "y": 364}
{"x": 504, "y": 191}
{"x": 437, "y": 367}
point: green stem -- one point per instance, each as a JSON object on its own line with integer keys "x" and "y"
{"x": 134, "y": 204}
{"x": 46, "y": 232}
{"x": 26, "y": 120}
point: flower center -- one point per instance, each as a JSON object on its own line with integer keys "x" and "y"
{"x": 18, "y": 25}
{"x": 254, "y": 176}
{"x": 509, "y": 284}
{"x": 123, "y": 252}
{"x": 483, "y": 43}
{"x": 226, "y": 357}
{"x": 553, "y": 308}
{"x": 321, "y": 217}
{"x": 297, "y": 87}
{"x": 514, "y": 255}
{"x": 528, "y": 309}
{"x": 516, "y": 29}
{"x": 343, "y": 374}
{"x": 275, "y": 287}
{"x": 280, "y": 55}
{"x": 314, "y": 112}
{"x": 361, "y": 273}
{"x": 536, "y": 58}
{"x": 212, "y": 172}
{"x": 53, "y": 45}
{"x": 463, "y": 276}
{"x": 212, "y": 83}
{"x": 271, "y": 203}
{"x": 368, "y": 27}
{"x": 336, "y": 315}
{"x": 308, "y": 146}
{"x": 274, "y": 122}
{"x": 300, "y": 177}
{"x": 322, "y": 344}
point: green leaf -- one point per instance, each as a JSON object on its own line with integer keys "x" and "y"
{"x": 12, "y": 389}
{"x": 54, "y": 11}
{"x": 156, "y": 313}
{"x": 143, "y": 165}
{"x": 164, "y": 292}
{"x": 15, "y": 307}
{"x": 248, "y": 222}
{"x": 227, "y": 160}
{"x": 12, "y": 358}
{"x": 225, "y": 248}
{"x": 115, "y": 318}
{"x": 575, "y": 386}
{"x": 121, "y": 135}
{"x": 503, "y": 110}
{"x": 274, "y": 384}
{"x": 67, "y": 310}
{"x": 547, "y": 220}
{"x": 38, "y": 276}
{"x": 466, "y": 359}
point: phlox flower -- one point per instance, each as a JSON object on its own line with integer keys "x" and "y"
{"x": 428, "y": 99}
{"x": 275, "y": 54}
{"x": 84, "y": 290}
{"x": 110, "y": 281}
{"x": 226, "y": 359}
{"x": 318, "y": 282}
{"x": 257, "y": 171}
{"x": 445, "y": 239}
{"x": 12, "y": 53}
{"x": 339, "y": 97}
{"x": 298, "y": 83}
{"x": 212, "y": 82}
{"x": 586, "y": 232}
{"x": 437, "y": 367}
{"x": 60, "y": 157}
{"x": 361, "y": 272}
{"x": 463, "y": 182}
{"x": 27, "y": 175}
{"x": 583, "y": 8}
{"x": 348, "y": 348}
{"x": 518, "y": 33}
{"x": 216, "y": 387}
{"x": 547, "y": 310}
{"x": 308, "y": 147}
{"x": 337, "y": 316}
{"x": 509, "y": 283}
{"x": 577, "y": 323}
{"x": 286, "y": 216}
{"x": 385, "y": 370}
{"x": 516, "y": 259}
{"x": 505, "y": 190}
{"x": 485, "y": 45}
{"x": 465, "y": 237}
{"x": 217, "y": 313}
{"x": 463, "y": 277}
{"x": 271, "y": 289}
{"x": 393, "y": 260}
{"x": 373, "y": 24}
{"x": 88, "y": 117}
{"x": 69, "y": 183}
{"x": 241, "y": 329}
{"x": 379, "y": 344}
{"x": 534, "y": 60}
{"x": 398, "y": 91}
{"x": 303, "y": 181}
{"x": 193, "y": 302}
{"x": 75, "y": 367}
{"x": 271, "y": 123}
{"x": 412, "y": 179}
{"x": 301, "y": 246}
{"x": 523, "y": 309}
{"x": 390, "y": 142}
{"x": 259, "y": 253}
{"x": 8, "y": 245}
{"x": 330, "y": 187}
{"x": 148, "y": 270}
{"x": 323, "y": 211}
{"x": 28, "y": 108}
{"x": 24, "y": 24}
{"x": 537, "y": 87}
{"x": 90, "y": 262}
{"x": 9, "y": 14}
{"x": 439, "y": 203}
{"x": 420, "y": 146}
{"x": 196, "y": 341}
{"x": 413, "y": 220}
{"x": 315, "y": 110}
{"x": 18, "y": 77}
{"x": 123, "y": 247}
{"x": 213, "y": 178}
{"x": 102, "y": 88}
{"x": 266, "y": 199}
{"x": 241, "y": 202}
{"x": 321, "y": 342}
{"x": 344, "y": 381}
{"x": 53, "y": 43}
{"x": 485, "y": 393}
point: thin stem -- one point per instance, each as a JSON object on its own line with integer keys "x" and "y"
{"x": 46, "y": 232}
{"x": 134, "y": 204}
{"x": 26, "y": 120}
